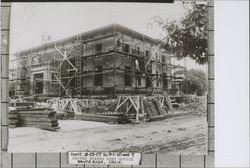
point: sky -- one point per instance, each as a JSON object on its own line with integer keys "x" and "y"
{"x": 30, "y": 21}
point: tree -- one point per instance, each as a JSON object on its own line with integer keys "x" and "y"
{"x": 194, "y": 83}
{"x": 187, "y": 37}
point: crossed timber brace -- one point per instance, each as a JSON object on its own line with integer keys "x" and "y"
{"x": 132, "y": 102}
{"x": 65, "y": 56}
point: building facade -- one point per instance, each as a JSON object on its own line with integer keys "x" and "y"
{"x": 106, "y": 61}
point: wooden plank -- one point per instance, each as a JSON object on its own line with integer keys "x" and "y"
{"x": 168, "y": 161}
{"x": 121, "y": 104}
{"x": 34, "y": 116}
{"x": 39, "y": 124}
{"x": 22, "y": 104}
{"x": 5, "y": 159}
{"x": 98, "y": 118}
{"x": 48, "y": 160}
{"x": 37, "y": 110}
{"x": 128, "y": 109}
{"x": 119, "y": 100}
{"x": 24, "y": 160}
{"x": 5, "y": 17}
{"x": 195, "y": 161}
{"x": 39, "y": 120}
{"x": 142, "y": 109}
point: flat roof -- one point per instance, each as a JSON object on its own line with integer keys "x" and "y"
{"x": 112, "y": 27}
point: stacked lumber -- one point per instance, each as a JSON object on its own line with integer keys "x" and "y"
{"x": 60, "y": 115}
{"x": 70, "y": 115}
{"x": 165, "y": 116}
{"x": 39, "y": 118}
{"x": 152, "y": 107}
{"x": 22, "y": 105}
{"x": 13, "y": 119}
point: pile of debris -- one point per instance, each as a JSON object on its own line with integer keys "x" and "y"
{"x": 39, "y": 118}
{"x": 96, "y": 106}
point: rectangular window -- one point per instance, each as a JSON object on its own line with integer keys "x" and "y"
{"x": 156, "y": 56}
{"x": 126, "y": 48}
{"x": 163, "y": 58}
{"x": 138, "y": 78}
{"x": 98, "y": 48}
{"x": 82, "y": 49}
{"x": 148, "y": 79}
{"x": 138, "y": 50}
{"x": 72, "y": 82}
{"x": 127, "y": 77}
{"x": 53, "y": 77}
{"x": 165, "y": 81}
{"x": 157, "y": 78}
{"x": 38, "y": 79}
{"x": 98, "y": 77}
{"x": 147, "y": 53}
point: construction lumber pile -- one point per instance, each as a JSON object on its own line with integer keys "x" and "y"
{"x": 22, "y": 105}
{"x": 162, "y": 117}
{"x": 60, "y": 115}
{"x": 153, "y": 107}
{"x": 70, "y": 115}
{"x": 144, "y": 108}
{"x": 39, "y": 118}
{"x": 13, "y": 119}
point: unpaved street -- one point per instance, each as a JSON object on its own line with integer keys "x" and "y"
{"x": 180, "y": 135}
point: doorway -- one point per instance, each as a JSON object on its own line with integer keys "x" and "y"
{"x": 38, "y": 78}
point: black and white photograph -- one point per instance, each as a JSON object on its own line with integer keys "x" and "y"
{"x": 103, "y": 76}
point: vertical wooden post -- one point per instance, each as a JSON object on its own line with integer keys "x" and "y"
{"x": 137, "y": 103}
{"x": 4, "y": 84}
{"x": 142, "y": 109}
{"x": 114, "y": 77}
{"x": 210, "y": 100}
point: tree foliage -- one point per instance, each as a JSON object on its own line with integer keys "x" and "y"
{"x": 188, "y": 36}
{"x": 194, "y": 83}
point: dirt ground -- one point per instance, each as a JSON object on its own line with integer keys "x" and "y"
{"x": 180, "y": 135}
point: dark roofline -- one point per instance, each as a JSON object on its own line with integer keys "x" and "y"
{"x": 112, "y": 27}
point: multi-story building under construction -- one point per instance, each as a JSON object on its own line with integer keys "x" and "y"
{"x": 109, "y": 60}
